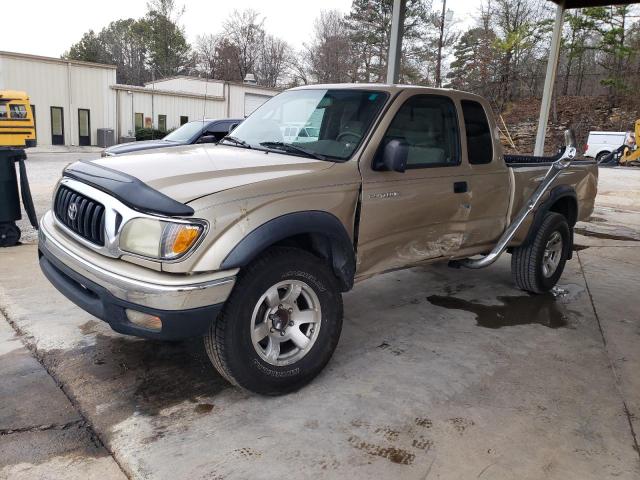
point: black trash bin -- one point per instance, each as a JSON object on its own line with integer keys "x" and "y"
{"x": 9, "y": 195}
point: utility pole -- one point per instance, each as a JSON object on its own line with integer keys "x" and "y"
{"x": 440, "y": 42}
{"x": 395, "y": 42}
{"x": 547, "y": 93}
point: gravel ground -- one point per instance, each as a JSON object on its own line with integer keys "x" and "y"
{"x": 43, "y": 170}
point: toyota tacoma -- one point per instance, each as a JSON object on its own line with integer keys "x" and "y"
{"x": 250, "y": 242}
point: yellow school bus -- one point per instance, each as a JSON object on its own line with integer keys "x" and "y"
{"x": 17, "y": 125}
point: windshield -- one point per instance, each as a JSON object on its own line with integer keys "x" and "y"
{"x": 186, "y": 131}
{"x": 326, "y": 123}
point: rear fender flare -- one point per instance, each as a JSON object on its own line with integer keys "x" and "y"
{"x": 559, "y": 192}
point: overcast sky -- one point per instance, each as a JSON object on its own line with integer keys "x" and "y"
{"x": 54, "y": 25}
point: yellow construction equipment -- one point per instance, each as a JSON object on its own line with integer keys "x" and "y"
{"x": 631, "y": 152}
{"x": 17, "y": 125}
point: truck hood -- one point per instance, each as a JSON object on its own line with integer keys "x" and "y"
{"x": 188, "y": 172}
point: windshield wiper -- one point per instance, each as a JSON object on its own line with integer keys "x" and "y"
{"x": 289, "y": 147}
{"x": 235, "y": 140}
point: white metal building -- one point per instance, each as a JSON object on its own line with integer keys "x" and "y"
{"x": 72, "y": 100}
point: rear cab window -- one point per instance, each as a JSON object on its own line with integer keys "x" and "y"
{"x": 478, "y": 133}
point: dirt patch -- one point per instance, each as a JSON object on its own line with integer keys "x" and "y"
{"x": 121, "y": 376}
{"x": 424, "y": 422}
{"x": 203, "y": 408}
{"x": 393, "y": 454}
{"x": 606, "y": 235}
{"x": 573, "y": 112}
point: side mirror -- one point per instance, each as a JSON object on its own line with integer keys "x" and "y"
{"x": 207, "y": 139}
{"x": 394, "y": 156}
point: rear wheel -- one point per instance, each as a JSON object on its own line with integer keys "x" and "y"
{"x": 281, "y": 324}
{"x": 537, "y": 266}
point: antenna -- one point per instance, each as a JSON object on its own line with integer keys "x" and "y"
{"x": 204, "y": 107}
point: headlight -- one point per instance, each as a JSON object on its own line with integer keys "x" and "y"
{"x": 158, "y": 238}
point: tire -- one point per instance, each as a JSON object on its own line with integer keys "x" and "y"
{"x": 600, "y": 156}
{"x": 256, "y": 366}
{"x": 9, "y": 234}
{"x": 529, "y": 269}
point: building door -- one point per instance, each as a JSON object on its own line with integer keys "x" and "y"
{"x": 252, "y": 101}
{"x": 57, "y": 126}
{"x": 84, "y": 127}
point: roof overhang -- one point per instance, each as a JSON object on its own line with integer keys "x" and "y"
{"x": 591, "y": 3}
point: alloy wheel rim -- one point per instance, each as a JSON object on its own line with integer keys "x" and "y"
{"x": 286, "y": 322}
{"x": 552, "y": 254}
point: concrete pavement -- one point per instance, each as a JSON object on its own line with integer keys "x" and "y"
{"x": 41, "y": 434}
{"x": 439, "y": 373}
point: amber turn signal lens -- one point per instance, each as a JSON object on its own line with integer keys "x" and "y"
{"x": 186, "y": 235}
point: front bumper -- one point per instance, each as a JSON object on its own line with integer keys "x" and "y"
{"x": 185, "y": 309}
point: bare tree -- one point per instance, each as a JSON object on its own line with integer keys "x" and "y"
{"x": 330, "y": 56}
{"x": 245, "y": 31}
{"x": 272, "y": 62}
{"x": 216, "y": 58}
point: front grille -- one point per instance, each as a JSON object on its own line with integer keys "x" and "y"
{"x": 86, "y": 218}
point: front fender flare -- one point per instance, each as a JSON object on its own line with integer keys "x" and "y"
{"x": 341, "y": 251}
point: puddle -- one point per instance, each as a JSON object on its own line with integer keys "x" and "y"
{"x": 515, "y": 310}
{"x": 605, "y": 236}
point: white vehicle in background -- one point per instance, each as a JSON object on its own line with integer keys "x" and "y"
{"x": 600, "y": 144}
{"x": 300, "y": 134}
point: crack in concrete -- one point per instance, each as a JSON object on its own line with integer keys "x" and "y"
{"x": 29, "y": 343}
{"x": 616, "y": 377}
{"x": 42, "y": 428}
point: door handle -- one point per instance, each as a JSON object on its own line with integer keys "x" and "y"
{"x": 460, "y": 187}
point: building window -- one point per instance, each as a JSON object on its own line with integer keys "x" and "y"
{"x": 162, "y": 123}
{"x": 139, "y": 121}
{"x": 183, "y": 119}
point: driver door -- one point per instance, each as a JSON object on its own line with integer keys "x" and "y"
{"x": 419, "y": 214}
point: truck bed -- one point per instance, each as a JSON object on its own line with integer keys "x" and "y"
{"x": 527, "y": 171}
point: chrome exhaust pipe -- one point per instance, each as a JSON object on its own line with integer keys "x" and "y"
{"x": 560, "y": 164}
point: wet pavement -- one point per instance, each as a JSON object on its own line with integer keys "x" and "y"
{"x": 439, "y": 373}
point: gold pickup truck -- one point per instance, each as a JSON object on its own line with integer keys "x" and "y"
{"x": 250, "y": 242}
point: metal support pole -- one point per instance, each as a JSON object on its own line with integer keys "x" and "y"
{"x": 549, "y": 81}
{"x": 395, "y": 42}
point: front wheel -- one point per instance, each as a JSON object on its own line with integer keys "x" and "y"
{"x": 281, "y": 324}
{"x": 537, "y": 266}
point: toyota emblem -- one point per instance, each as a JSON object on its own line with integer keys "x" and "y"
{"x": 72, "y": 212}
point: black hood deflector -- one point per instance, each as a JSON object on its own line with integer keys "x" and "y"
{"x": 129, "y": 190}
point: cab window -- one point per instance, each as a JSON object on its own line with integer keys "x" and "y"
{"x": 428, "y": 124}
{"x": 18, "y": 111}
{"x": 3, "y": 110}
{"x": 478, "y": 133}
